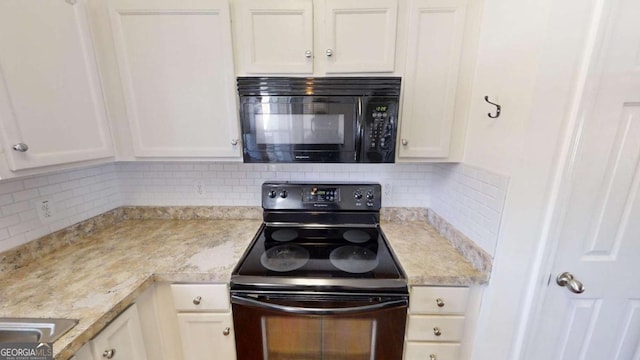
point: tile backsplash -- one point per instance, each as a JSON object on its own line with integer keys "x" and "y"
{"x": 469, "y": 198}
{"x": 72, "y": 196}
{"x": 163, "y": 184}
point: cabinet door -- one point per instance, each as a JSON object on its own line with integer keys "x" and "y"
{"x": 84, "y": 353}
{"x": 432, "y": 351}
{"x": 207, "y": 336}
{"x": 434, "y": 46}
{"x": 50, "y": 92}
{"x": 274, "y": 36}
{"x": 359, "y": 36}
{"x": 176, "y": 65}
{"x": 122, "y": 338}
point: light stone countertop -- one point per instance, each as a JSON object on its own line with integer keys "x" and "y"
{"x": 95, "y": 278}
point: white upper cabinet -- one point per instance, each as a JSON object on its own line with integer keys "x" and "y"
{"x": 358, "y": 36}
{"x": 274, "y": 36}
{"x": 52, "y": 109}
{"x": 175, "y": 60}
{"x": 315, "y": 37}
{"x": 432, "y": 103}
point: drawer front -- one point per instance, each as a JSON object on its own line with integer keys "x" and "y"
{"x": 438, "y": 300}
{"x": 431, "y": 351}
{"x": 435, "y": 328}
{"x": 200, "y": 297}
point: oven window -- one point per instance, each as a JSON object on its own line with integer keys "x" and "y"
{"x": 318, "y": 338}
{"x": 278, "y": 129}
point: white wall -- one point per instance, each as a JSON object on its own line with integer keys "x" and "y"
{"x": 80, "y": 194}
{"x": 506, "y": 68}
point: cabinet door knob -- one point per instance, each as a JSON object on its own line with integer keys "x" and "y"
{"x": 308, "y": 54}
{"x": 22, "y": 147}
{"x": 436, "y": 331}
{"x": 405, "y": 142}
{"x": 329, "y": 52}
{"x": 197, "y": 300}
{"x": 433, "y": 357}
{"x": 439, "y": 302}
{"x": 109, "y": 354}
{"x": 226, "y": 331}
{"x": 234, "y": 142}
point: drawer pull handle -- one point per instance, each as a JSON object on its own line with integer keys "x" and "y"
{"x": 433, "y": 357}
{"x": 226, "y": 331}
{"x": 439, "y": 302}
{"x": 436, "y": 331}
{"x": 109, "y": 354}
{"x": 197, "y": 300}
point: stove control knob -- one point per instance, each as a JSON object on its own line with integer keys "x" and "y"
{"x": 369, "y": 195}
{"x": 272, "y": 194}
{"x": 357, "y": 195}
{"x": 284, "y": 194}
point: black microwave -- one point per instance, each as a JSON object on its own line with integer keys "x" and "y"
{"x": 328, "y": 119}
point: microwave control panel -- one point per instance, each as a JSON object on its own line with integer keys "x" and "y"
{"x": 380, "y": 130}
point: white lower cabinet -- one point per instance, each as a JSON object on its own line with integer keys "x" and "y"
{"x": 207, "y": 336}
{"x": 205, "y": 321}
{"x": 85, "y": 353}
{"x": 431, "y": 351}
{"x": 440, "y": 322}
{"x": 121, "y": 339}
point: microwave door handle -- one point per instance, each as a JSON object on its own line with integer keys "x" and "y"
{"x": 237, "y": 299}
{"x": 359, "y": 129}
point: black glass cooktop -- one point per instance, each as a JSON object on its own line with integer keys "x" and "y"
{"x": 319, "y": 252}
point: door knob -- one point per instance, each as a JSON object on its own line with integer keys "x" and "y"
{"x": 329, "y": 52}
{"x": 109, "y": 354}
{"x": 567, "y": 280}
{"x": 21, "y": 147}
{"x": 308, "y": 54}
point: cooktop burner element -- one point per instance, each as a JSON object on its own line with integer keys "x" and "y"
{"x": 285, "y": 257}
{"x": 354, "y": 259}
{"x": 320, "y": 237}
{"x": 284, "y": 235}
{"x": 356, "y": 236}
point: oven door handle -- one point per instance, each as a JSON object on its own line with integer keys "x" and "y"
{"x": 241, "y": 300}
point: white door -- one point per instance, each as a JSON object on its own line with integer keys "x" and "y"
{"x": 599, "y": 223}
{"x": 176, "y": 65}
{"x": 51, "y": 98}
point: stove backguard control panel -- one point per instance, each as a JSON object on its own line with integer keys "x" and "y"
{"x": 319, "y": 196}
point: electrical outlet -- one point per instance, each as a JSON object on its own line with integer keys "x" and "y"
{"x": 387, "y": 191}
{"x": 46, "y": 210}
{"x": 200, "y": 188}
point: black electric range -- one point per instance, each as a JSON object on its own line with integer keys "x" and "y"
{"x": 320, "y": 237}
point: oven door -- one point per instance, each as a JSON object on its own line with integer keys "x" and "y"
{"x": 287, "y": 327}
{"x": 300, "y": 128}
